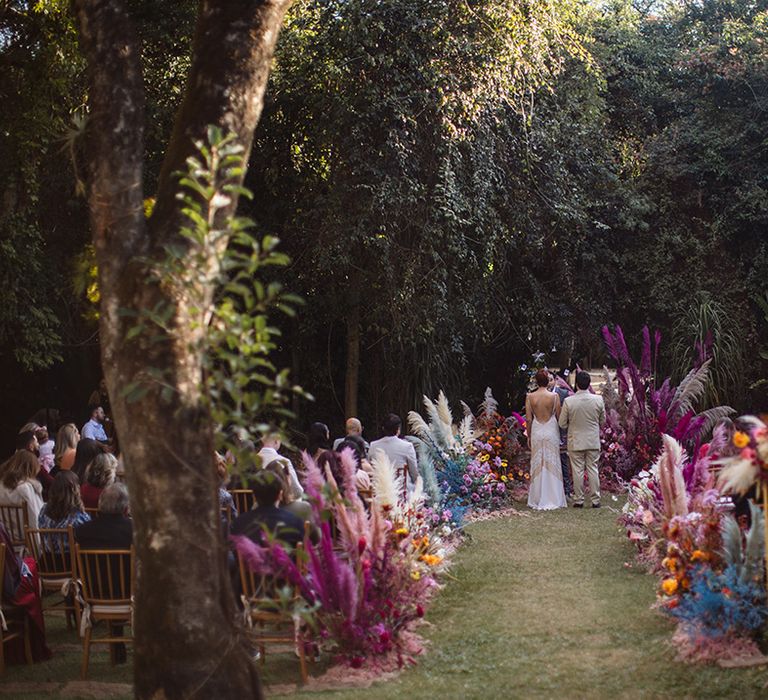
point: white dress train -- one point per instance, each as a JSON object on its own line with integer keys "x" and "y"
{"x": 546, "y": 492}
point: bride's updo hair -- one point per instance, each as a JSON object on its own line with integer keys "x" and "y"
{"x": 542, "y": 377}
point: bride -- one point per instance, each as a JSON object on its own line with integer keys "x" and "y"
{"x": 542, "y": 410}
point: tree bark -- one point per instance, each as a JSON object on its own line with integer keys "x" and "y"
{"x": 186, "y": 641}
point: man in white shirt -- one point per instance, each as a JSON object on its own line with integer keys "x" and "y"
{"x": 399, "y": 451}
{"x": 270, "y": 444}
{"x": 93, "y": 429}
{"x": 353, "y": 427}
{"x": 582, "y": 415}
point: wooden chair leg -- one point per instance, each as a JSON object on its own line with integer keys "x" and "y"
{"x": 302, "y": 659}
{"x": 27, "y": 641}
{"x": 86, "y": 653}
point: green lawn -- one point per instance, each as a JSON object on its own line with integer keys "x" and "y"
{"x": 542, "y": 607}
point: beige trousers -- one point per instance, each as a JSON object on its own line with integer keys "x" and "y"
{"x": 581, "y": 460}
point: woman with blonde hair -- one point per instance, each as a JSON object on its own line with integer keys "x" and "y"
{"x": 66, "y": 447}
{"x": 19, "y": 485}
{"x": 98, "y": 475}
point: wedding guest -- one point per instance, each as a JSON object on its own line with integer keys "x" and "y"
{"x": 26, "y": 441}
{"x": 94, "y": 428}
{"x": 318, "y": 440}
{"x": 363, "y": 466}
{"x": 66, "y": 447}
{"x": 113, "y": 529}
{"x": 64, "y": 506}
{"x": 46, "y": 444}
{"x": 267, "y": 519}
{"x": 301, "y": 509}
{"x": 19, "y": 485}
{"x": 565, "y": 463}
{"x": 99, "y": 474}
{"x": 270, "y": 444}
{"x": 21, "y": 587}
{"x": 227, "y": 509}
{"x": 354, "y": 429}
{"x": 87, "y": 450}
{"x": 399, "y": 451}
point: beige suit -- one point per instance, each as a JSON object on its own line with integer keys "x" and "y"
{"x": 582, "y": 415}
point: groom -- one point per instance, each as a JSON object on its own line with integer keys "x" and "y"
{"x": 582, "y": 415}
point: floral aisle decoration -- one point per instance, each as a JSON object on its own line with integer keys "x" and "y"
{"x": 499, "y": 443}
{"x": 372, "y": 574}
{"x": 640, "y": 410}
{"x": 468, "y": 470}
{"x": 709, "y": 583}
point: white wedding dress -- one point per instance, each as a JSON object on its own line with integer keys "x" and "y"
{"x": 546, "y": 492}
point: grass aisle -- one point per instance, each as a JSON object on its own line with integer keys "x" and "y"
{"x": 543, "y": 607}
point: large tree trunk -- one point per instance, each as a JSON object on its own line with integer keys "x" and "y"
{"x": 186, "y": 640}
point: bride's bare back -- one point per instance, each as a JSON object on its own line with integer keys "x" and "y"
{"x": 543, "y": 405}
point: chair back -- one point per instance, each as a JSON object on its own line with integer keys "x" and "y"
{"x": 244, "y": 499}
{"x": 53, "y": 550}
{"x": 107, "y": 575}
{"x": 263, "y": 585}
{"x": 16, "y": 521}
{"x": 93, "y": 512}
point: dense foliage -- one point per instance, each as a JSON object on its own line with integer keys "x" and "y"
{"x": 459, "y": 186}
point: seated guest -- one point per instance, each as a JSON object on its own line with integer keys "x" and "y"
{"x": 20, "y": 587}
{"x": 94, "y": 428}
{"x": 26, "y": 440}
{"x": 301, "y": 509}
{"x": 227, "y": 508}
{"x": 364, "y": 468}
{"x": 19, "y": 485}
{"x": 399, "y": 451}
{"x": 270, "y": 444}
{"x": 64, "y": 506}
{"x": 113, "y": 529}
{"x": 66, "y": 446}
{"x": 318, "y": 439}
{"x": 87, "y": 450}
{"x": 267, "y": 517}
{"x": 99, "y": 474}
{"x": 354, "y": 429}
{"x": 46, "y": 447}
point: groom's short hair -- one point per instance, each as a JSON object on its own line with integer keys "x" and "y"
{"x": 583, "y": 380}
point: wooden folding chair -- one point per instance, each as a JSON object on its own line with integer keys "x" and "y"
{"x": 16, "y": 521}
{"x": 107, "y": 580}
{"x": 53, "y": 550}
{"x": 12, "y": 616}
{"x": 93, "y": 512}
{"x": 267, "y": 622}
{"x": 244, "y": 500}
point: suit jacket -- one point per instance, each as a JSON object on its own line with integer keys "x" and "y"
{"x": 399, "y": 451}
{"x": 105, "y": 532}
{"x": 582, "y": 415}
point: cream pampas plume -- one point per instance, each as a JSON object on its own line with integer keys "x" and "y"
{"x": 489, "y": 404}
{"x": 443, "y": 409}
{"x": 737, "y": 475}
{"x": 418, "y": 425}
{"x": 387, "y": 483}
{"x": 671, "y": 478}
{"x": 467, "y": 432}
{"x": 416, "y": 497}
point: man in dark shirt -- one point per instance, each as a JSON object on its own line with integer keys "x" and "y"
{"x": 267, "y": 518}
